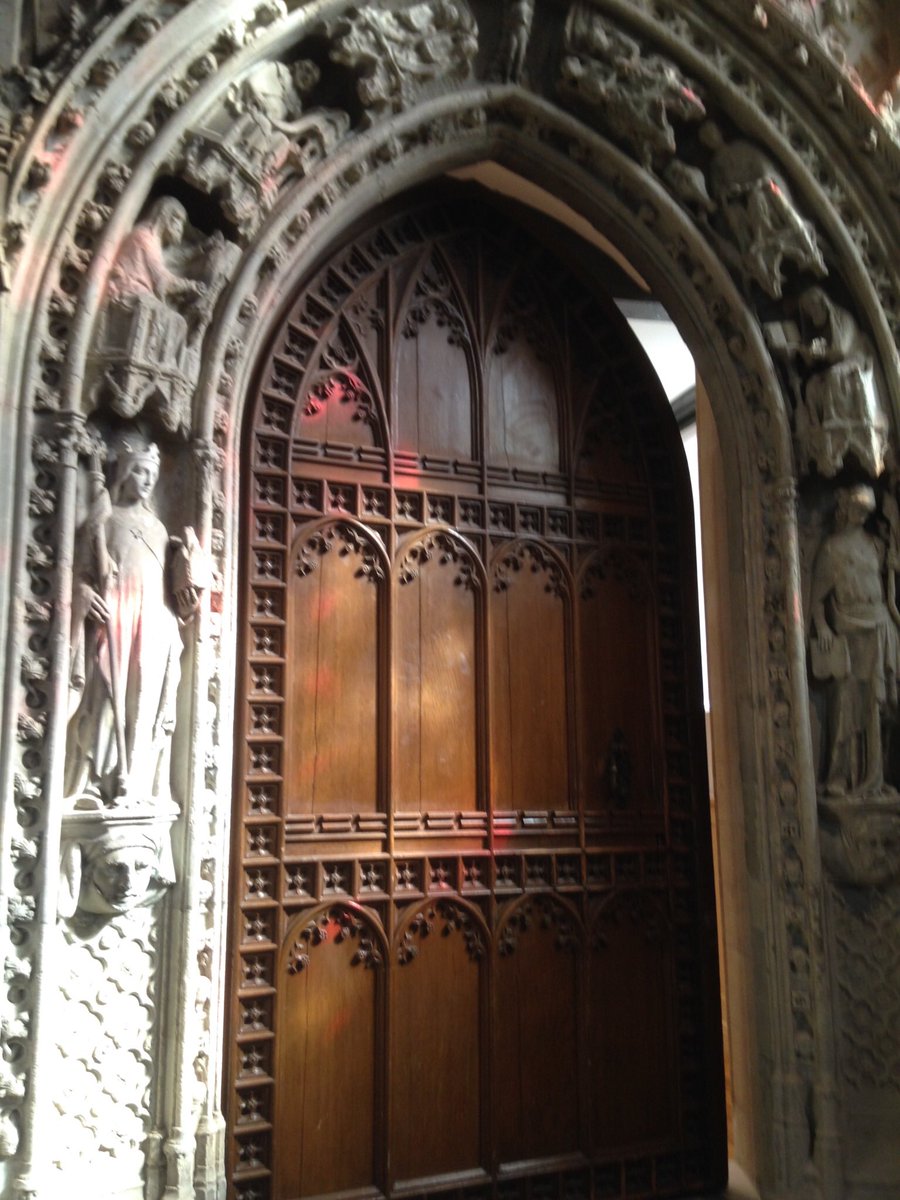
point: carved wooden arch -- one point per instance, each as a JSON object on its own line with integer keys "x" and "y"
{"x": 441, "y": 540}
{"x": 349, "y": 917}
{"x": 49, "y": 269}
{"x": 517, "y": 915}
{"x": 418, "y": 921}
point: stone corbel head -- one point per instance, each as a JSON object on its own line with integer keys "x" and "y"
{"x": 861, "y": 839}
{"x": 113, "y": 864}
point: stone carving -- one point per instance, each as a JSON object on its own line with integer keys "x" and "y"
{"x": 159, "y": 300}
{"x": 260, "y": 134}
{"x": 831, "y": 370}
{"x": 758, "y": 213}
{"x": 112, "y": 864}
{"x": 134, "y": 585}
{"x": 104, "y": 1053}
{"x": 854, "y": 649}
{"x": 635, "y": 95}
{"x": 397, "y": 53}
{"x": 861, "y": 840}
{"x": 869, "y": 991}
{"x": 517, "y": 21}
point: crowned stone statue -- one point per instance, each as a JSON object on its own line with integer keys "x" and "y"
{"x": 135, "y": 586}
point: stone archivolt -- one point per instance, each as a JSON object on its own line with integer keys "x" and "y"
{"x": 137, "y": 314}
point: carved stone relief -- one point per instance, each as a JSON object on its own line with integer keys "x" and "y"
{"x": 757, "y": 213}
{"x": 398, "y": 53}
{"x": 259, "y": 136}
{"x": 113, "y": 864}
{"x": 635, "y": 95}
{"x": 159, "y": 301}
{"x": 830, "y": 368}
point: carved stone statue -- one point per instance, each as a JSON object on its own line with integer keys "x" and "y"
{"x": 832, "y": 373}
{"x": 159, "y": 300}
{"x": 854, "y": 648}
{"x": 259, "y": 135}
{"x": 517, "y": 21}
{"x": 398, "y": 52}
{"x": 635, "y": 95}
{"x": 114, "y": 868}
{"x": 758, "y": 212}
{"x": 133, "y": 585}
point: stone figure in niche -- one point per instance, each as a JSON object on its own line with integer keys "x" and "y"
{"x": 159, "y": 300}
{"x": 758, "y": 212}
{"x": 832, "y": 373}
{"x": 260, "y": 135}
{"x": 135, "y": 586}
{"x": 517, "y": 21}
{"x": 854, "y": 648}
{"x": 635, "y": 95}
{"x": 397, "y": 53}
{"x": 126, "y": 865}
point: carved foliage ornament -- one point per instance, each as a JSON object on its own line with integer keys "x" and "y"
{"x": 340, "y": 924}
{"x": 346, "y": 539}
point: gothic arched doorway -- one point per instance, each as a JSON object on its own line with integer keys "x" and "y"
{"x": 473, "y": 941}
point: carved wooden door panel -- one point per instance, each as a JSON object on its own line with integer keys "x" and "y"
{"x": 473, "y": 948}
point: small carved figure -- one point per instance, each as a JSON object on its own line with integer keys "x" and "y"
{"x": 854, "y": 647}
{"x": 260, "y": 134}
{"x": 635, "y": 94}
{"x": 838, "y": 409}
{"x": 399, "y": 52}
{"x": 159, "y": 300}
{"x": 518, "y": 19}
{"x": 127, "y": 866}
{"x": 133, "y": 585}
{"x": 759, "y": 213}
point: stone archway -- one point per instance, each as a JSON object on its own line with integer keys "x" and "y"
{"x": 143, "y": 111}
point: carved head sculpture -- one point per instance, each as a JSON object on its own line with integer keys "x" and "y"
{"x": 305, "y": 75}
{"x": 854, "y": 504}
{"x": 815, "y": 307}
{"x": 133, "y": 464}
{"x": 122, "y": 869}
{"x": 168, "y": 217}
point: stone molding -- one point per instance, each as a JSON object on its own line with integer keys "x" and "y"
{"x": 108, "y": 127}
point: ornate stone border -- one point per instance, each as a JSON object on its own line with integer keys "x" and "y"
{"x": 68, "y": 207}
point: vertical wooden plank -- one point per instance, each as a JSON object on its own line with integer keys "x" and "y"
{"x": 437, "y": 1052}
{"x": 332, "y": 738}
{"x": 433, "y": 391}
{"x": 435, "y": 670}
{"x": 327, "y": 1118}
{"x": 523, "y": 409}
{"x": 529, "y": 691}
{"x": 536, "y": 1024}
{"x": 633, "y": 1057}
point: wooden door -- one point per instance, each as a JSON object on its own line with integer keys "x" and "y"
{"x": 474, "y": 945}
